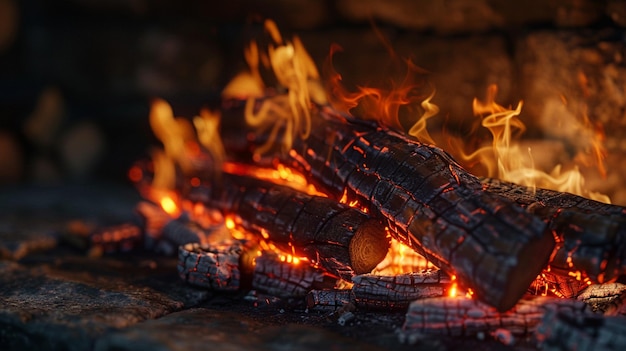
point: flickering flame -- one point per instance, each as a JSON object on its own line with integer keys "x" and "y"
{"x": 507, "y": 160}
{"x": 286, "y": 116}
{"x": 281, "y": 174}
{"x": 401, "y": 259}
{"x": 169, "y": 205}
{"x": 452, "y": 292}
{"x": 207, "y": 127}
{"x": 393, "y": 106}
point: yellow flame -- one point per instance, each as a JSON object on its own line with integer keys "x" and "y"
{"x": 172, "y": 132}
{"x": 507, "y": 160}
{"x": 401, "y": 259}
{"x": 296, "y": 74}
{"x": 207, "y": 128}
{"x": 392, "y": 106}
{"x": 169, "y": 205}
{"x": 281, "y": 174}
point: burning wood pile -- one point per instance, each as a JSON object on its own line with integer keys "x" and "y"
{"x": 285, "y": 192}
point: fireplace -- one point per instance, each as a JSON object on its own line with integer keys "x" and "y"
{"x": 80, "y": 120}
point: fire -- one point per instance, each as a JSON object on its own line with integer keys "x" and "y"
{"x": 401, "y": 259}
{"x": 393, "y": 106}
{"x": 296, "y": 73}
{"x": 280, "y": 174}
{"x": 507, "y": 160}
{"x": 169, "y": 205}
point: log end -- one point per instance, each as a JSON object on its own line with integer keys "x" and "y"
{"x": 368, "y": 246}
{"x": 531, "y": 260}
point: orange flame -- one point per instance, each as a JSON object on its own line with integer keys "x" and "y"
{"x": 296, "y": 73}
{"x": 388, "y": 106}
{"x": 401, "y": 259}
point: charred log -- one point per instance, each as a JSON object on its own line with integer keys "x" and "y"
{"x": 398, "y": 291}
{"x": 591, "y": 235}
{"x": 343, "y": 240}
{"x": 285, "y": 279}
{"x": 427, "y": 200}
{"x": 459, "y": 316}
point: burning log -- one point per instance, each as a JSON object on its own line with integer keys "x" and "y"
{"x": 562, "y": 330}
{"x": 427, "y": 200}
{"x": 591, "y": 234}
{"x": 383, "y": 292}
{"x": 398, "y": 291}
{"x": 287, "y": 279}
{"x": 211, "y": 266}
{"x": 460, "y": 316}
{"x": 343, "y": 240}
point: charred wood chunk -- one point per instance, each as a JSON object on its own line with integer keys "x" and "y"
{"x": 211, "y": 266}
{"x": 605, "y": 298}
{"x": 563, "y": 330}
{"x": 115, "y": 239}
{"x": 343, "y": 240}
{"x": 591, "y": 234}
{"x": 460, "y": 316}
{"x": 329, "y": 299}
{"x": 288, "y": 279}
{"x": 398, "y": 291}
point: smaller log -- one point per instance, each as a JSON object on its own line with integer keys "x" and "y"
{"x": 287, "y": 279}
{"x": 329, "y": 299}
{"x": 154, "y": 219}
{"x": 460, "y": 316}
{"x": 567, "y": 330}
{"x": 124, "y": 237}
{"x": 181, "y": 231}
{"x": 342, "y": 239}
{"x": 215, "y": 267}
{"x": 606, "y": 298}
{"x": 398, "y": 291}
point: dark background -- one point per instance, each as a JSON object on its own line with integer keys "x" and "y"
{"x": 77, "y": 76}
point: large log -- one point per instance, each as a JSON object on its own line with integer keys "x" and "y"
{"x": 591, "y": 235}
{"x": 343, "y": 240}
{"x": 427, "y": 199}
